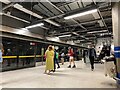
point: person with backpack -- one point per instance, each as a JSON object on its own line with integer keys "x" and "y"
{"x": 56, "y": 60}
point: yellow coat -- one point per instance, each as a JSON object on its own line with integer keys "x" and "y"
{"x": 49, "y": 60}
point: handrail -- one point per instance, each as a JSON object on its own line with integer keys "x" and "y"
{"x": 29, "y": 56}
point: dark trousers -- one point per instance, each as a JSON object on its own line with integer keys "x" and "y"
{"x": 9, "y": 62}
{"x": 56, "y": 62}
{"x": 92, "y": 62}
{"x": 84, "y": 59}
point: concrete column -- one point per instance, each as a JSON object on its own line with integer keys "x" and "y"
{"x": 116, "y": 33}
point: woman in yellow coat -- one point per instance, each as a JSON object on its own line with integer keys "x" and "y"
{"x": 49, "y": 59}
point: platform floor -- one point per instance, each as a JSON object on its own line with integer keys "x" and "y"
{"x": 80, "y": 77}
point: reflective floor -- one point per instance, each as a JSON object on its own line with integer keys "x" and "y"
{"x": 80, "y": 77}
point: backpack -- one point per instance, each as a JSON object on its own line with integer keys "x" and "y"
{"x": 57, "y": 55}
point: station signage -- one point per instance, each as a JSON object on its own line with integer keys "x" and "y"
{"x": 117, "y": 51}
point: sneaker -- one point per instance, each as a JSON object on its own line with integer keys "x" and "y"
{"x": 52, "y": 71}
{"x": 74, "y": 66}
{"x": 69, "y": 66}
{"x": 58, "y": 67}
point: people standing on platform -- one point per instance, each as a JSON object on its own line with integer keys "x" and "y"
{"x": 9, "y": 53}
{"x": 1, "y": 48}
{"x": 92, "y": 56}
{"x": 71, "y": 58}
{"x": 108, "y": 49}
{"x": 85, "y": 54}
{"x": 49, "y": 54}
{"x": 29, "y": 52}
{"x": 77, "y": 54}
{"x": 62, "y": 57}
{"x": 56, "y": 60}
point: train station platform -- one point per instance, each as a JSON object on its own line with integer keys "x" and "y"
{"x": 80, "y": 77}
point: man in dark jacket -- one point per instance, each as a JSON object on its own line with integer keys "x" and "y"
{"x": 92, "y": 56}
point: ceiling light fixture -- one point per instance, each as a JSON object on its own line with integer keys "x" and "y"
{"x": 76, "y": 33}
{"x": 52, "y": 22}
{"x": 36, "y": 25}
{"x": 80, "y": 14}
{"x": 65, "y": 35}
{"x": 97, "y": 31}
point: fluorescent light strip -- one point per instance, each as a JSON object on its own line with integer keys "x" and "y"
{"x": 98, "y": 31}
{"x": 81, "y": 14}
{"x": 1, "y": 13}
{"x": 54, "y": 23}
{"x": 76, "y": 33}
{"x": 65, "y": 35}
{"x": 44, "y": 27}
{"x": 14, "y": 17}
{"x": 36, "y": 25}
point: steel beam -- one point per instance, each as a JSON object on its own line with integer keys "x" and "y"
{"x": 7, "y": 6}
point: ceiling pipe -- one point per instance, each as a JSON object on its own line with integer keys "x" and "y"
{"x": 83, "y": 31}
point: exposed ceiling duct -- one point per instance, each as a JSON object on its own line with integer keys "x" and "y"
{"x": 15, "y": 17}
{"x": 21, "y": 8}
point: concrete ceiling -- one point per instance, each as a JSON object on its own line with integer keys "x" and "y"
{"x": 55, "y": 13}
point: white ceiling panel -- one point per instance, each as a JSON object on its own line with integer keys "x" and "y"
{"x": 85, "y": 18}
{"x": 41, "y": 10}
{"x": 66, "y": 6}
{"x": 86, "y": 2}
{"x": 51, "y": 8}
{"x": 107, "y": 13}
{"x": 69, "y": 22}
{"x": 80, "y": 4}
{"x": 48, "y": 12}
{"x": 63, "y": 9}
{"x": 74, "y": 6}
